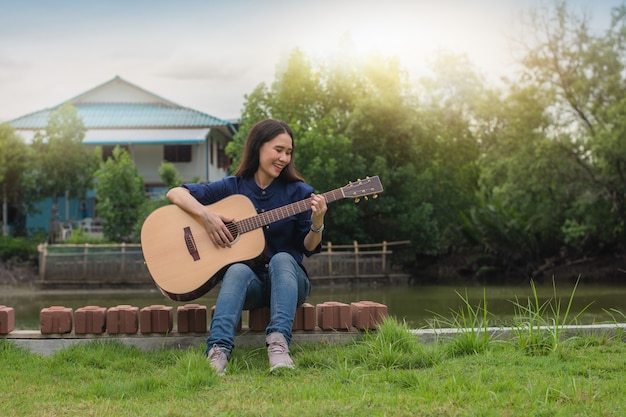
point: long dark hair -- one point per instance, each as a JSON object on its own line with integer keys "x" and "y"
{"x": 262, "y": 132}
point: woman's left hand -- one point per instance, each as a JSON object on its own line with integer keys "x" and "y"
{"x": 318, "y": 209}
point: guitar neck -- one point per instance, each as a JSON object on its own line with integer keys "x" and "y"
{"x": 283, "y": 212}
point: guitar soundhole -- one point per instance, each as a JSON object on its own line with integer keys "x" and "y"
{"x": 233, "y": 229}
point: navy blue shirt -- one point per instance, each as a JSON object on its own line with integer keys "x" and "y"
{"x": 286, "y": 235}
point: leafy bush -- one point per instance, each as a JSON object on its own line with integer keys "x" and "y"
{"x": 17, "y": 249}
{"x": 79, "y": 237}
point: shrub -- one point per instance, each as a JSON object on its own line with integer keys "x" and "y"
{"x": 17, "y": 249}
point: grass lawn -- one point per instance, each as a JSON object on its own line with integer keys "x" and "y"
{"x": 385, "y": 373}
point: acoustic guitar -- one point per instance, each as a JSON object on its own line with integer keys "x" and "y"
{"x": 183, "y": 261}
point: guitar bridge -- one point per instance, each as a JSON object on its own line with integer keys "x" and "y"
{"x": 191, "y": 244}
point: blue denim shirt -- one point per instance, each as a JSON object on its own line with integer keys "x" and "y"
{"x": 286, "y": 235}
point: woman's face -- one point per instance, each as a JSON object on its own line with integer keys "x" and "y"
{"x": 274, "y": 156}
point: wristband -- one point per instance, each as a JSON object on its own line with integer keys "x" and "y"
{"x": 320, "y": 230}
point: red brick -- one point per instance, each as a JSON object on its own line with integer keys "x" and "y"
{"x": 7, "y": 319}
{"x": 367, "y": 314}
{"x": 56, "y": 319}
{"x": 123, "y": 319}
{"x": 239, "y": 326}
{"x": 258, "y": 319}
{"x": 191, "y": 318}
{"x": 156, "y": 319}
{"x": 90, "y": 319}
{"x": 333, "y": 315}
{"x": 304, "y": 318}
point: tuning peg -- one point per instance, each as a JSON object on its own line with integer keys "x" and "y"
{"x": 356, "y": 200}
{"x": 375, "y": 196}
{"x": 366, "y": 198}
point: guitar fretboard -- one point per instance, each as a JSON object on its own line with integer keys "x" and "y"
{"x": 271, "y": 216}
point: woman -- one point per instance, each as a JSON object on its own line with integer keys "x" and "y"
{"x": 268, "y": 177}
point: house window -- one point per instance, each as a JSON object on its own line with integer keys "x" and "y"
{"x": 107, "y": 150}
{"x": 177, "y": 153}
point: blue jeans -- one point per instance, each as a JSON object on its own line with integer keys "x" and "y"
{"x": 282, "y": 288}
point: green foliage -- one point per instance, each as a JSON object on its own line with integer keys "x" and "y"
{"x": 15, "y": 161}
{"x": 65, "y": 165}
{"x": 351, "y": 120}
{"x": 17, "y": 249}
{"x": 79, "y": 237}
{"x": 169, "y": 174}
{"x": 505, "y": 238}
{"x": 586, "y": 74}
{"x": 120, "y": 192}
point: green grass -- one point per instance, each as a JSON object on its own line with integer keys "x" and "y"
{"x": 384, "y": 373}
{"x": 541, "y": 370}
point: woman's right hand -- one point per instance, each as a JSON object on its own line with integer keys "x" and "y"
{"x": 215, "y": 225}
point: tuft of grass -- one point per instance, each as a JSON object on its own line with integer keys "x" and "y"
{"x": 391, "y": 346}
{"x": 538, "y": 326}
{"x": 472, "y": 323}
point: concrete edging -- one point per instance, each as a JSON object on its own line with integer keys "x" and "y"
{"x": 47, "y": 344}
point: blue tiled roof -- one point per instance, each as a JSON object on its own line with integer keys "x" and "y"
{"x": 126, "y": 115}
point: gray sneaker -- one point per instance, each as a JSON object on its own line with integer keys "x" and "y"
{"x": 278, "y": 352}
{"x": 218, "y": 358}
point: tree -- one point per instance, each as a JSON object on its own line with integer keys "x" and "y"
{"x": 586, "y": 72}
{"x": 526, "y": 183}
{"x": 357, "y": 118}
{"x": 15, "y": 159}
{"x": 170, "y": 175}
{"x": 65, "y": 165}
{"x": 120, "y": 194}
{"x": 322, "y": 153}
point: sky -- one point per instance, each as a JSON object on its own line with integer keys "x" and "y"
{"x": 207, "y": 55}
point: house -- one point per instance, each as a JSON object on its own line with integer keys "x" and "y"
{"x": 151, "y": 128}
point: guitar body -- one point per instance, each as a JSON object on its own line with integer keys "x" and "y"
{"x": 180, "y": 256}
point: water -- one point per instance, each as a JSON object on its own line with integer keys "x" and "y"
{"x": 418, "y": 305}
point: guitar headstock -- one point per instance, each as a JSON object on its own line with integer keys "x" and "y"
{"x": 363, "y": 188}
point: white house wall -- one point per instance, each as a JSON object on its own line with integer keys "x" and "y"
{"x": 147, "y": 159}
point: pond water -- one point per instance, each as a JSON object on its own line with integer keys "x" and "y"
{"x": 418, "y": 305}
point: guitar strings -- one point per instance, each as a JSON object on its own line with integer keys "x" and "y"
{"x": 233, "y": 229}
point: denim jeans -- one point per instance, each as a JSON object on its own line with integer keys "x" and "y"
{"x": 282, "y": 288}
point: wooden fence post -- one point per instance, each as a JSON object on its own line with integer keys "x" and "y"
{"x": 356, "y": 259}
{"x": 123, "y": 258}
{"x": 85, "y": 259}
{"x": 384, "y": 260}
{"x": 329, "y": 248}
{"x": 43, "y": 254}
